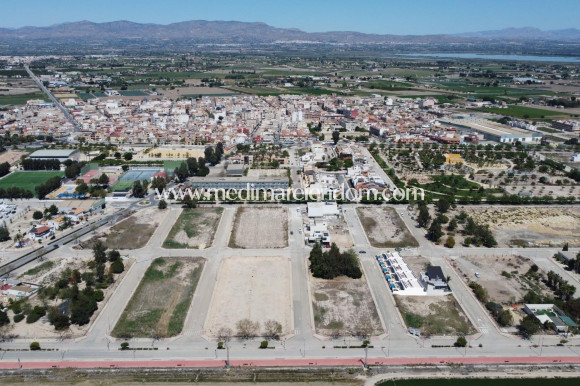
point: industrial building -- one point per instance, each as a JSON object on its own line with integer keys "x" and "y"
{"x": 60, "y": 154}
{"x": 496, "y": 131}
{"x": 239, "y": 183}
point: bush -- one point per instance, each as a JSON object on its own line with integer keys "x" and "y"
{"x": 34, "y": 346}
{"x": 117, "y": 266}
{"x": 125, "y": 346}
{"x": 58, "y": 319}
{"x": 162, "y": 204}
{"x": 37, "y": 215}
{"x": 461, "y": 342}
{"x": 220, "y": 345}
{"x": 36, "y": 313}
{"x": 18, "y": 318}
{"x": 264, "y": 344}
{"x": 98, "y": 295}
{"x": 450, "y": 242}
{"x": 4, "y": 320}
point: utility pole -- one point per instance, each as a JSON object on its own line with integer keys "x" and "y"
{"x": 366, "y": 358}
{"x": 228, "y": 353}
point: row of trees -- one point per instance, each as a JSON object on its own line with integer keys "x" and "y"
{"x": 561, "y": 287}
{"x": 40, "y": 164}
{"x": 51, "y": 184}
{"x": 4, "y": 169}
{"x": 192, "y": 167}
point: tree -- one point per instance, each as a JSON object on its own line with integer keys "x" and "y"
{"x": 435, "y": 232}
{"x": 247, "y": 328}
{"x": 4, "y": 169}
{"x": 264, "y": 344}
{"x": 181, "y": 172}
{"x": 333, "y": 263}
{"x": 335, "y": 136}
{"x": 424, "y": 216}
{"x": 128, "y": 156}
{"x": 113, "y": 255}
{"x": 450, "y": 242}
{"x": 82, "y": 189}
{"x": 4, "y": 320}
{"x": 53, "y": 210}
{"x": 272, "y": 329}
{"x": 529, "y": 326}
{"x": 37, "y": 215}
{"x": 162, "y": 204}
{"x": 103, "y": 179}
{"x": 34, "y": 346}
{"x": 4, "y": 234}
{"x": 138, "y": 190}
{"x": 452, "y": 225}
{"x": 99, "y": 252}
{"x": 443, "y": 205}
{"x": 58, "y": 319}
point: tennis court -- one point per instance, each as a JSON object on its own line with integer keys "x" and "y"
{"x": 139, "y": 174}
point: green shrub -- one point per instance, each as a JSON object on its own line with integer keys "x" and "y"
{"x": 34, "y": 346}
{"x": 264, "y": 344}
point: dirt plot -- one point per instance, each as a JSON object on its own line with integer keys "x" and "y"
{"x": 536, "y": 226}
{"x": 339, "y": 234}
{"x": 434, "y": 315}
{"x": 194, "y": 228}
{"x": 11, "y": 156}
{"x": 160, "y": 304}
{"x": 254, "y": 288}
{"x": 416, "y": 263}
{"x": 260, "y": 228}
{"x": 384, "y": 228}
{"x": 509, "y": 287}
{"x": 344, "y": 306}
{"x": 124, "y": 235}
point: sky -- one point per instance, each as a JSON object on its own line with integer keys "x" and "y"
{"x": 401, "y": 17}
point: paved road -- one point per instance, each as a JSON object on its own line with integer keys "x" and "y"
{"x": 304, "y": 345}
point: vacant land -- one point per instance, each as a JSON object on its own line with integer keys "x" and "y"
{"x": 524, "y": 112}
{"x": 11, "y": 156}
{"x": 385, "y": 229}
{"x": 260, "y": 228}
{"x": 160, "y": 304}
{"x": 132, "y": 233}
{"x": 537, "y": 226}
{"x": 344, "y": 306}
{"x": 27, "y": 180}
{"x": 434, "y": 315}
{"x": 254, "y": 288}
{"x": 502, "y": 276}
{"x": 339, "y": 233}
{"x": 194, "y": 228}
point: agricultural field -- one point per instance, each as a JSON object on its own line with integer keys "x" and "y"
{"x": 28, "y": 180}
{"x": 524, "y": 112}
{"x": 161, "y": 302}
{"x": 260, "y": 228}
{"x": 254, "y": 288}
{"x": 384, "y": 228}
{"x": 344, "y": 306}
{"x": 434, "y": 315}
{"x": 21, "y": 99}
{"x": 531, "y": 226}
{"x": 194, "y": 228}
{"x": 123, "y": 234}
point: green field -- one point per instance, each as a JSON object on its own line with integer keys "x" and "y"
{"x": 123, "y": 186}
{"x": 481, "y": 382}
{"x": 523, "y": 112}
{"x": 20, "y": 99}
{"x": 27, "y": 180}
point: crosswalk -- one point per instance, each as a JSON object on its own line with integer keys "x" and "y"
{"x": 483, "y": 330}
{"x": 192, "y": 333}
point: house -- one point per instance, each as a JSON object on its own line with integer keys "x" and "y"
{"x": 550, "y": 313}
{"x": 19, "y": 290}
{"x": 322, "y": 209}
{"x": 433, "y": 280}
{"x": 40, "y": 232}
{"x": 575, "y": 157}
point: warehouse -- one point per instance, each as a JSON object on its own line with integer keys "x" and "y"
{"x": 496, "y": 131}
{"x": 239, "y": 183}
{"x": 60, "y": 154}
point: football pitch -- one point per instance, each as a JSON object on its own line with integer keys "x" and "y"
{"x": 28, "y": 180}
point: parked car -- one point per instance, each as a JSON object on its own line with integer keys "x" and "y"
{"x": 362, "y": 251}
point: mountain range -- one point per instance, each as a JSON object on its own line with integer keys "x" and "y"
{"x": 227, "y": 32}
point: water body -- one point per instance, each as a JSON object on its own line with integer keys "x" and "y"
{"x": 521, "y": 58}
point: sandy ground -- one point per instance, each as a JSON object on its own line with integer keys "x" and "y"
{"x": 42, "y": 328}
{"x": 344, "y": 306}
{"x": 442, "y": 314}
{"x": 260, "y": 228}
{"x": 197, "y": 233}
{"x": 384, "y": 228}
{"x": 340, "y": 234}
{"x": 11, "y": 156}
{"x": 500, "y": 288}
{"x": 416, "y": 263}
{"x": 179, "y": 91}
{"x": 123, "y": 235}
{"x": 537, "y": 226}
{"x": 255, "y": 288}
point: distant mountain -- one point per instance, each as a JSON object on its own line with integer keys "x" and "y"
{"x": 526, "y": 33}
{"x": 222, "y": 32}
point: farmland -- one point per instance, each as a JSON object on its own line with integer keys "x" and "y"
{"x": 194, "y": 228}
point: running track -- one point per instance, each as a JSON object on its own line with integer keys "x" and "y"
{"x": 286, "y": 362}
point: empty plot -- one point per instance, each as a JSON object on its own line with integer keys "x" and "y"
{"x": 344, "y": 306}
{"x": 434, "y": 315}
{"x": 254, "y": 288}
{"x": 160, "y": 304}
{"x": 384, "y": 228}
{"x": 260, "y": 228}
{"x": 194, "y": 228}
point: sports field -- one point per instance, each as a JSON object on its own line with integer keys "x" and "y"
{"x": 27, "y": 180}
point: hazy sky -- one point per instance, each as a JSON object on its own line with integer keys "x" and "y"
{"x": 371, "y": 16}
